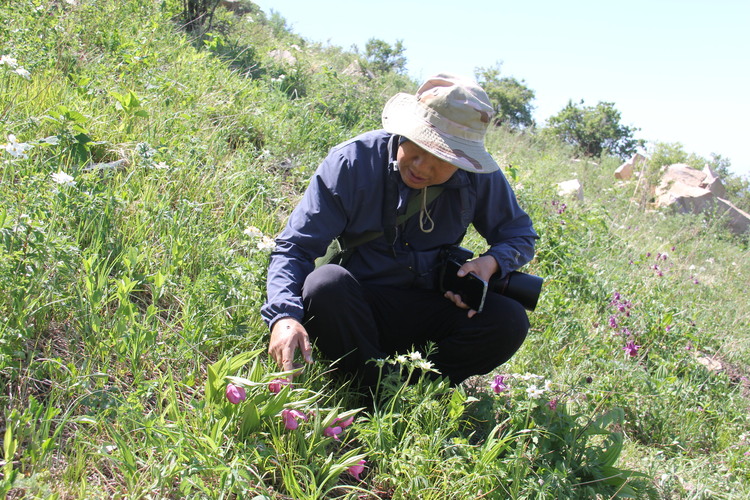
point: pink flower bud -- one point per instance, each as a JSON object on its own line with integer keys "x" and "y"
{"x": 235, "y": 393}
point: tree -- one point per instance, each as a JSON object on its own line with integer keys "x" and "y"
{"x": 594, "y": 130}
{"x": 383, "y": 58}
{"x": 510, "y": 98}
{"x": 196, "y": 12}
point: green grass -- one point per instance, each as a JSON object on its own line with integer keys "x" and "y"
{"x": 131, "y": 298}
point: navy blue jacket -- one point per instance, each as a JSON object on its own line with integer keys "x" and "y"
{"x": 346, "y": 196}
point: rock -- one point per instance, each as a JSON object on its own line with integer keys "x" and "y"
{"x": 684, "y": 197}
{"x": 739, "y": 220}
{"x": 569, "y": 189}
{"x": 694, "y": 191}
{"x": 356, "y": 69}
{"x": 625, "y": 171}
{"x": 712, "y": 182}
{"x": 283, "y": 56}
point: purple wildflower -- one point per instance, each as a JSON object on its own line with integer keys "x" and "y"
{"x": 498, "y": 384}
{"x": 612, "y": 322}
{"x": 631, "y": 349}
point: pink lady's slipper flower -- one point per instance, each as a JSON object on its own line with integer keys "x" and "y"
{"x": 290, "y": 418}
{"x": 631, "y": 348}
{"x": 498, "y": 384}
{"x": 356, "y": 470}
{"x": 333, "y": 431}
{"x": 235, "y": 393}
{"x": 338, "y": 427}
{"x": 276, "y": 385}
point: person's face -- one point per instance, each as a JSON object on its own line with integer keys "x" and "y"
{"x": 420, "y": 169}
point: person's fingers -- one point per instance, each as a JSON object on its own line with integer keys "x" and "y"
{"x": 287, "y": 358}
{"x": 306, "y": 349}
{"x": 456, "y": 299}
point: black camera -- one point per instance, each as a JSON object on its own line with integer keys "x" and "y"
{"x": 522, "y": 287}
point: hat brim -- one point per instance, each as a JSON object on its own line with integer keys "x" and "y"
{"x": 403, "y": 115}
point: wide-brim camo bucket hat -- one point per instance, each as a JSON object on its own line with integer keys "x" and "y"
{"x": 448, "y": 117}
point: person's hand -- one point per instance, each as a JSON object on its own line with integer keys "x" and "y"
{"x": 484, "y": 267}
{"x": 288, "y": 335}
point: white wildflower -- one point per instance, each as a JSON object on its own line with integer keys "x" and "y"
{"x": 9, "y": 61}
{"x": 64, "y": 179}
{"x": 414, "y": 356}
{"x": 424, "y": 365}
{"x": 24, "y": 73}
{"x": 253, "y": 232}
{"x": 401, "y": 359}
{"x": 379, "y": 362}
{"x": 161, "y": 166}
{"x": 266, "y": 244}
{"x": 534, "y": 392}
{"x": 15, "y": 148}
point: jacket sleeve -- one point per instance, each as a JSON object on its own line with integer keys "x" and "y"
{"x": 318, "y": 218}
{"x": 504, "y": 224}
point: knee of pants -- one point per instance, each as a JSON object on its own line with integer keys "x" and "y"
{"x": 512, "y": 324}
{"x": 328, "y": 286}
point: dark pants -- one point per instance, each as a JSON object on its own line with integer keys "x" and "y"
{"x": 358, "y": 322}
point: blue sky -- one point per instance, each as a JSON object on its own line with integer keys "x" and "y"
{"x": 677, "y": 70}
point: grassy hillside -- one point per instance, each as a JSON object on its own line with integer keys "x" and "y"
{"x": 145, "y": 171}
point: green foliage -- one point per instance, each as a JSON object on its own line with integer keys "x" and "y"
{"x": 594, "y": 130}
{"x": 510, "y": 98}
{"x": 382, "y": 57}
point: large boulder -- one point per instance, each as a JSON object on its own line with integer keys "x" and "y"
{"x": 682, "y": 186}
{"x": 695, "y": 191}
